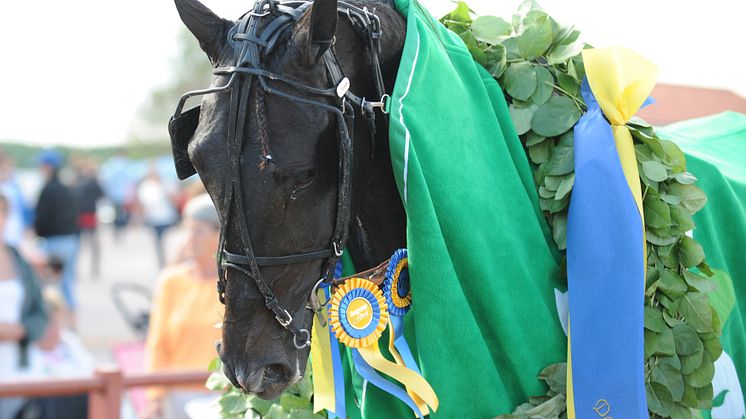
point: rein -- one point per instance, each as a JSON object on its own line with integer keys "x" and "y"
{"x": 250, "y": 46}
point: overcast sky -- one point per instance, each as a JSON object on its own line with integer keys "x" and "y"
{"x": 74, "y": 72}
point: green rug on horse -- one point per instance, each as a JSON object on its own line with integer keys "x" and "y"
{"x": 715, "y": 149}
{"x": 482, "y": 262}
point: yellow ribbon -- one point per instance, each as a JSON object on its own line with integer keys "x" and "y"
{"x": 570, "y": 395}
{"x": 621, "y": 81}
{"x": 321, "y": 363}
{"x": 411, "y": 380}
{"x": 402, "y": 302}
{"x": 400, "y": 361}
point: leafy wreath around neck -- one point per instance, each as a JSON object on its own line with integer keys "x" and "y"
{"x": 540, "y": 69}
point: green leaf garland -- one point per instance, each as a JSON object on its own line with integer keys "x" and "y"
{"x": 295, "y": 402}
{"x": 538, "y": 64}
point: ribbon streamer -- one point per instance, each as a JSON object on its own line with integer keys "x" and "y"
{"x": 322, "y": 365}
{"x": 399, "y": 299}
{"x": 339, "y": 381}
{"x": 326, "y": 362}
{"x": 606, "y": 243}
{"x": 371, "y": 376}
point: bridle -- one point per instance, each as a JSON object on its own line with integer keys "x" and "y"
{"x": 253, "y": 41}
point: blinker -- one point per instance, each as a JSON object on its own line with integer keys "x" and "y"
{"x": 181, "y": 129}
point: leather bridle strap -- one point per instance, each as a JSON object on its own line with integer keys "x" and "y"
{"x": 278, "y": 260}
{"x": 250, "y": 46}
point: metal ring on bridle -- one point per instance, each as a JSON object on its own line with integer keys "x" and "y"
{"x": 307, "y": 341}
{"x": 313, "y": 299}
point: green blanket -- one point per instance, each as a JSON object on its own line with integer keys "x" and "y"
{"x": 482, "y": 264}
{"x": 715, "y": 149}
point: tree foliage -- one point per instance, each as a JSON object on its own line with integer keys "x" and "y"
{"x": 192, "y": 70}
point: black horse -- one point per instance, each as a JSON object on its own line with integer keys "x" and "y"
{"x": 288, "y": 168}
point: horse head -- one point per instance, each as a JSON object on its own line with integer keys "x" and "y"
{"x": 273, "y": 143}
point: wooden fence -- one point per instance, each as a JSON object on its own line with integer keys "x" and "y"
{"x": 104, "y": 388}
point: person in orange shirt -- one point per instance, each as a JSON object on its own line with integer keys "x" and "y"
{"x": 186, "y": 312}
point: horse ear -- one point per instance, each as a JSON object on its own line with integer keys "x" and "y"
{"x": 209, "y": 29}
{"x": 323, "y": 26}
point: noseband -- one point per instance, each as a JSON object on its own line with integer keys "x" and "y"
{"x": 250, "y": 45}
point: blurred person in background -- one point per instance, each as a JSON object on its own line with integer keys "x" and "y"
{"x": 88, "y": 192}
{"x": 56, "y": 221}
{"x": 186, "y": 311}
{"x": 158, "y": 210}
{"x": 58, "y": 354}
{"x": 23, "y": 318}
{"x": 192, "y": 189}
{"x": 118, "y": 185}
{"x": 15, "y": 224}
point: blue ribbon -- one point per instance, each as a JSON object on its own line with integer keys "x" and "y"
{"x": 369, "y": 374}
{"x": 606, "y": 277}
{"x": 339, "y": 380}
{"x": 401, "y": 345}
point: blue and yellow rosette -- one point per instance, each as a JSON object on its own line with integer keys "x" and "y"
{"x": 358, "y": 315}
{"x": 396, "y": 285}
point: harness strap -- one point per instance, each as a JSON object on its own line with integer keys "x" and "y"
{"x": 366, "y": 107}
{"x": 376, "y": 274}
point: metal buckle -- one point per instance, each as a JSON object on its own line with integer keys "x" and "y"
{"x": 286, "y": 323}
{"x": 306, "y": 343}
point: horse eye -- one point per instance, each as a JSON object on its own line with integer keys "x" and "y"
{"x": 304, "y": 179}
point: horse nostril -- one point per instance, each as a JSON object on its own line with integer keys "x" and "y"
{"x": 268, "y": 381}
{"x": 276, "y": 374}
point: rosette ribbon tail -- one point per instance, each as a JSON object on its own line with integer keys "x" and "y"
{"x": 606, "y": 253}
{"x": 368, "y": 372}
{"x": 398, "y": 345}
{"x": 326, "y": 363}
{"x": 399, "y": 299}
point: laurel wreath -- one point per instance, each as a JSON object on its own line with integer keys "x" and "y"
{"x": 538, "y": 64}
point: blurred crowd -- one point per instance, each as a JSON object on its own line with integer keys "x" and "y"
{"x": 43, "y": 232}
